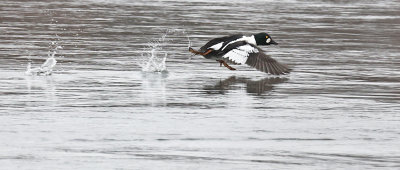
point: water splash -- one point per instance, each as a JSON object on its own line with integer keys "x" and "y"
{"x": 47, "y": 67}
{"x": 154, "y": 56}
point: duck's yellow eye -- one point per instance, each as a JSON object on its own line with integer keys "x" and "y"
{"x": 266, "y": 37}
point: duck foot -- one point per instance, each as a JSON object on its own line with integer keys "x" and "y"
{"x": 198, "y": 52}
{"x": 225, "y": 64}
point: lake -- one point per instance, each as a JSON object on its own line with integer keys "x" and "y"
{"x": 127, "y": 94}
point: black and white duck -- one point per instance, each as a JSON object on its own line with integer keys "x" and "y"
{"x": 240, "y": 49}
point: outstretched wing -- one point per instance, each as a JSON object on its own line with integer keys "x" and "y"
{"x": 265, "y": 63}
{"x": 243, "y": 53}
{"x": 238, "y": 52}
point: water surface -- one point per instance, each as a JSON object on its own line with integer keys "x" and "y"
{"x": 338, "y": 109}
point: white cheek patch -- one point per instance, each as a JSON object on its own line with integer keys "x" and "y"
{"x": 268, "y": 40}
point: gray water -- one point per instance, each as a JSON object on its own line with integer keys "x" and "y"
{"x": 337, "y": 109}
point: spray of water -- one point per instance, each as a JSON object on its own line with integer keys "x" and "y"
{"x": 47, "y": 67}
{"x": 154, "y": 56}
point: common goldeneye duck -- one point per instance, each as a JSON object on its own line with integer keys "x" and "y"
{"x": 240, "y": 49}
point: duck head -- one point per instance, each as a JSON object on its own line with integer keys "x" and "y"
{"x": 264, "y": 39}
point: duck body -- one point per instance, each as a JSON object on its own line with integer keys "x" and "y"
{"x": 241, "y": 49}
{"x": 217, "y": 44}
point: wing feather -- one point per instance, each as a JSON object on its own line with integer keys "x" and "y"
{"x": 238, "y": 52}
{"x": 265, "y": 63}
{"x": 276, "y": 68}
{"x": 243, "y": 53}
{"x": 271, "y": 68}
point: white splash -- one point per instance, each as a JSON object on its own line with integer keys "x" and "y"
{"x": 46, "y": 68}
{"x": 154, "y": 63}
{"x": 154, "y": 56}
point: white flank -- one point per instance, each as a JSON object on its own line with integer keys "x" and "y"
{"x": 217, "y": 46}
{"x": 248, "y": 48}
{"x": 250, "y": 40}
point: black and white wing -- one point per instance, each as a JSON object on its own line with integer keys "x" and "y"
{"x": 244, "y": 53}
{"x": 265, "y": 63}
